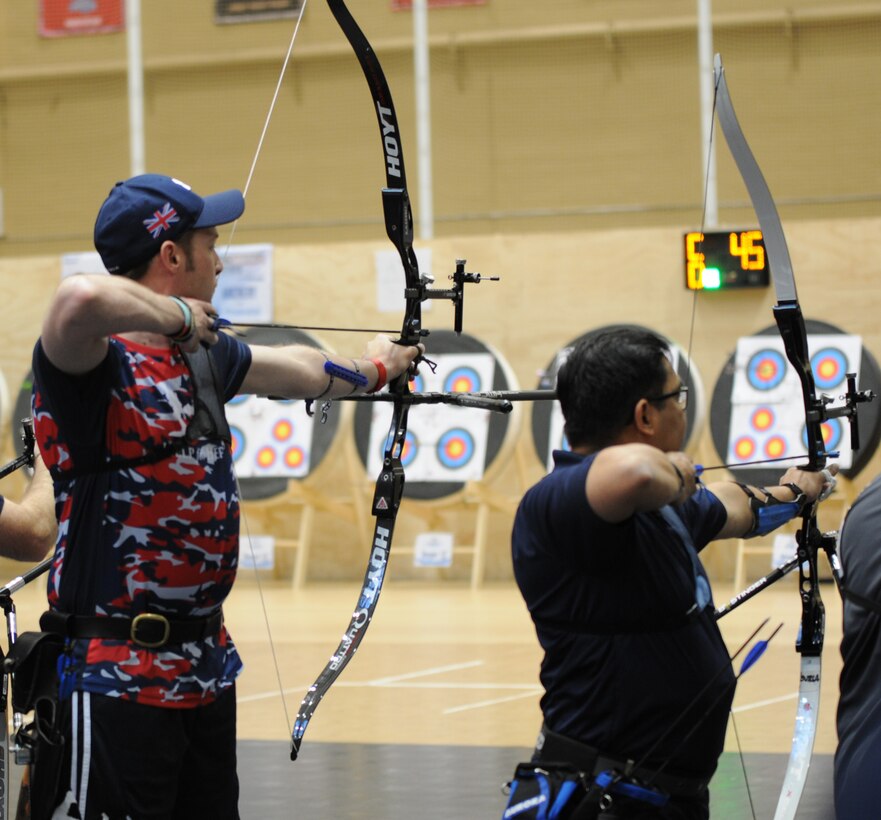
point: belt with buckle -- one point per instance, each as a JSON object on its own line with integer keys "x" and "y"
{"x": 555, "y": 747}
{"x": 150, "y": 630}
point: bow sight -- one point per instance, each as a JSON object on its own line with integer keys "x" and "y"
{"x": 455, "y": 294}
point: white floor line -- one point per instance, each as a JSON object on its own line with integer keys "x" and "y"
{"x": 529, "y": 688}
{"x": 446, "y": 685}
{"x": 759, "y": 704}
{"x": 526, "y": 690}
{"x": 534, "y": 692}
{"x": 437, "y": 670}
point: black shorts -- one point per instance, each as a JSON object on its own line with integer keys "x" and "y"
{"x": 126, "y": 760}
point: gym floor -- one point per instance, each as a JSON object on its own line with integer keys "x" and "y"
{"x": 441, "y": 701}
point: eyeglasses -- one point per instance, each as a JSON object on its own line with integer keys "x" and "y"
{"x": 681, "y": 394}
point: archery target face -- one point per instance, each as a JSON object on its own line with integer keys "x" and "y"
{"x": 270, "y": 438}
{"x": 443, "y": 443}
{"x": 767, "y": 407}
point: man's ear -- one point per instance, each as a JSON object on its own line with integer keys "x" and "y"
{"x": 170, "y": 254}
{"x": 643, "y": 417}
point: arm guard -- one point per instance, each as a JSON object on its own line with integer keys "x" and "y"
{"x": 769, "y": 512}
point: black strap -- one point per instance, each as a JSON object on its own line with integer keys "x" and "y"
{"x": 209, "y": 418}
{"x": 149, "y": 629}
{"x": 556, "y": 747}
{"x": 208, "y": 421}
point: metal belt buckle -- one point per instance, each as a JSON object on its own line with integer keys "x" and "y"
{"x": 148, "y": 619}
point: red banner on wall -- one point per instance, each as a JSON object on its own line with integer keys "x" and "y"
{"x": 243, "y": 11}
{"x": 60, "y": 18}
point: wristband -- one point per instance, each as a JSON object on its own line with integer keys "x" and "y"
{"x": 799, "y": 496}
{"x": 355, "y": 377}
{"x": 188, "y": 328}
{"x": 330, "y": 375}
{"x": 382, "y": 376}
{"x": 362, "y": 383}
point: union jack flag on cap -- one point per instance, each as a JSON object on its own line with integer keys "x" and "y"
{"x": 161, "y": 220}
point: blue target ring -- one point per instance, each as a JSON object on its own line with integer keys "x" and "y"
{"x": 455, "y": 448}
{"x": 829, "y": 366}
{"x": 238, "y": 443}
{"x": 409, "y": 451}
{"x": 832, "y": 434}
{"x": 765, "y": 369}
{"x": 462, "y": 379}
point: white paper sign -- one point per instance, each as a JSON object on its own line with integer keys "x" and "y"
{"x": 390, "y": 279}
{"x": 87, "y": 262}
{"x": 433, "y": 549}
{"x": 257, "y": 552}
{"x": 785, "y": 547}
{"x": 244, "y": 289}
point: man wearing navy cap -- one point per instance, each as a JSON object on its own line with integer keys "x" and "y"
{"x": 128, "y": 413}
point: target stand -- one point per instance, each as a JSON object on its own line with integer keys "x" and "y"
{"x": 283, "y": 457}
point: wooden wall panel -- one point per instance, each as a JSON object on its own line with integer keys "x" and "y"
{"x": 553, "y": 288}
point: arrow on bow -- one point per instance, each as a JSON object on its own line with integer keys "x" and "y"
{"x": 790, "y": 322}
{"x": 390, "y": 483}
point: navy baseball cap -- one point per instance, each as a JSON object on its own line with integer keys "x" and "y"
{"x": 140, "y": 213}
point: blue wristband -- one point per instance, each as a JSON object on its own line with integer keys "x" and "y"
{"x": 351, "y": 376}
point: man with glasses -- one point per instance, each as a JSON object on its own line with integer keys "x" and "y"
{"x": 637, "y": 678}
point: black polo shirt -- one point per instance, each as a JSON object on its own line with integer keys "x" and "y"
{"x": 623, "y": 661}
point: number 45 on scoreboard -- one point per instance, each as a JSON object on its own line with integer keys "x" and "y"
{"x": 723, "y": 260}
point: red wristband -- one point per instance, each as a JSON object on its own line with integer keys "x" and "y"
{"x": 382, "y": 376}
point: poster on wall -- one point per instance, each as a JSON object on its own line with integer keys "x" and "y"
{"x": 81, "y": 262}
{"x": 244, "y": 289}
{"x": 62, "y": 18}
{"x": 246, "y": 11}
{"x": 404, "y": 5}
